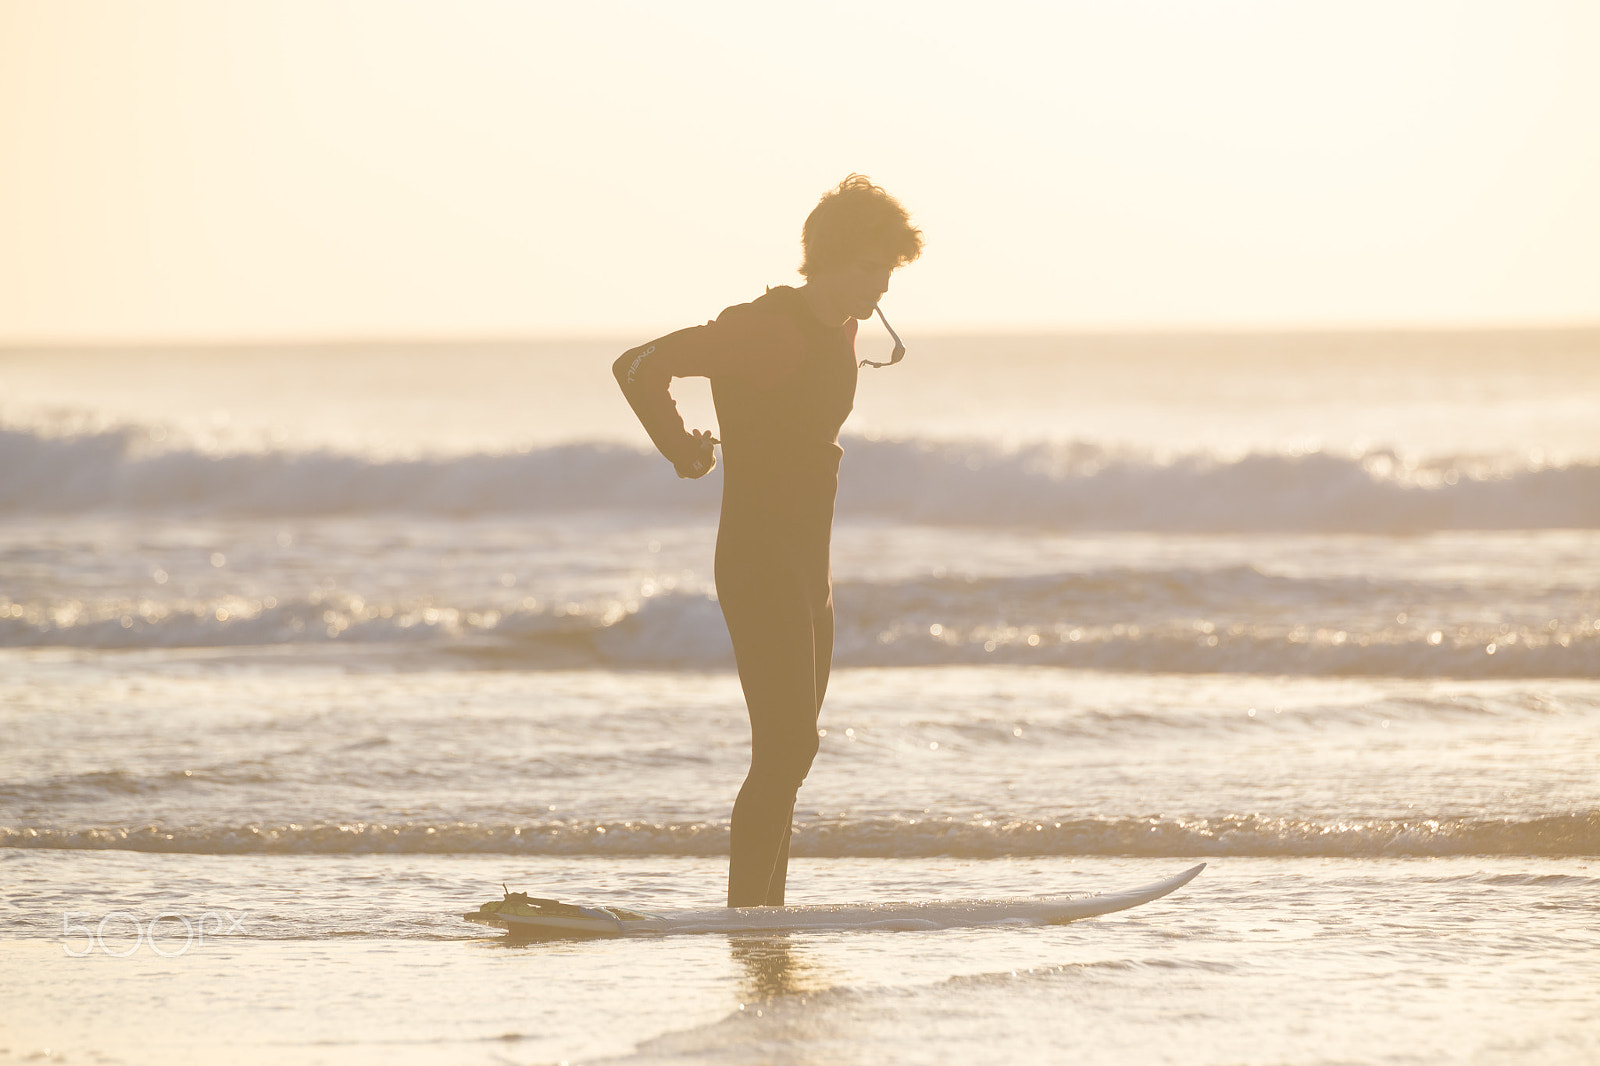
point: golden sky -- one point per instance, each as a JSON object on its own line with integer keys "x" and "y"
{"x": 244, "y": 169}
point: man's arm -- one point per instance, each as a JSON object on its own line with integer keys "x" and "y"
{"x": 748, "y": 341}
{"x": 645, "y": 374}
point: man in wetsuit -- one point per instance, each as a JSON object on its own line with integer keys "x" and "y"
{"x": 783, "y": 377}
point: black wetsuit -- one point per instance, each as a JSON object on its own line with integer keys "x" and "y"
{"x": 783, "y": 385}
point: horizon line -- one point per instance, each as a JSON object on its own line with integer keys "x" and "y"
{"x": 376, "y": 338}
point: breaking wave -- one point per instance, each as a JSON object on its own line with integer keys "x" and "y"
{"x": 1562, "y": 835}
{"x": 1176, "y": 621}
{"x": 1056, "y": 486}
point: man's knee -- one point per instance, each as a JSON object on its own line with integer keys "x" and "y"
{"x": 787, "y": 760}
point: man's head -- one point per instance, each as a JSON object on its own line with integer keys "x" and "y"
{"x": 855, "y": 220}
{"x": 855, "y": 236}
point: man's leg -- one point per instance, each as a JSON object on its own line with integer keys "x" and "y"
{"x": 774, "y": 645}
{"x": 822, "y": 661}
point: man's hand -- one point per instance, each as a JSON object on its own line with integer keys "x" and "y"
{"x": 699, "y": 456}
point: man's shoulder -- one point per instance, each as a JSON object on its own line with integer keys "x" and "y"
{"x": 778, "y": 304}
{"x": 775, "y": 318}
{"x": 762, "y": 341}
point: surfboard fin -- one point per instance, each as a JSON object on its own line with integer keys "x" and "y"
{"x": 521, "y": 902}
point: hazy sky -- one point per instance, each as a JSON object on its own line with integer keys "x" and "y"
{"x": 241, "y": 169}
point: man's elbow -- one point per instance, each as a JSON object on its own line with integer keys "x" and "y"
{"x": 628, "y": 365}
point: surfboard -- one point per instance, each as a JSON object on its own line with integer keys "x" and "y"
{"x": 536, "y": 917}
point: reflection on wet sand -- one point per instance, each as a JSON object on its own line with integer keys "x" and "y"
{"x": 774, "y": 967}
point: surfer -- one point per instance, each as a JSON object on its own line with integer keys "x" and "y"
{"x": 783, "y": 378}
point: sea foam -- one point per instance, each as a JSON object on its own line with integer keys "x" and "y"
{"x": 1571, "y": 834}
{"x": 1051, "y": 486}
{"x": 1123, "y": 620}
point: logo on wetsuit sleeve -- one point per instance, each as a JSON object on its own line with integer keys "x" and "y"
{"x": 634, "y": 366}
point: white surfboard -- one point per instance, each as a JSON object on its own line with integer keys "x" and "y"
{"x": 530, "y": 916}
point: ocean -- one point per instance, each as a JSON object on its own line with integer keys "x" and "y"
{"x": 306, "y": 650}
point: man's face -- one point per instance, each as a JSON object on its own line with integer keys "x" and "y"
{"x": 859, "y": 284}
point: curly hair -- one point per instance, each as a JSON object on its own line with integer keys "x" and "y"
{"x": 855, "y": 218}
